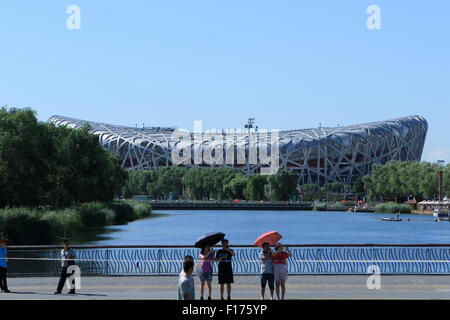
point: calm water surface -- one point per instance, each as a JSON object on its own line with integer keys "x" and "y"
{"x": 297, "y": 227}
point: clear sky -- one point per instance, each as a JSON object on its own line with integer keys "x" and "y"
{"x": 289, "y": 64}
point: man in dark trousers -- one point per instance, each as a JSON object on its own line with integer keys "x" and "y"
{"x": 67, "y": 260}
{"x": 3, "y": 266}
{"x": 224, "y": 256}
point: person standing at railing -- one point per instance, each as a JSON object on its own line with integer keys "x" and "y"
{"x": 225, "y": 275}
{"x": 186, "y": 289}
{"x": 280, "y": 269}
{"x": 67, "y": 259}
{"x": 267, "y": 276}
{"x": 3, "y": 266}
{"x": 206, "y": 258}
{"x": 187, "y": 259}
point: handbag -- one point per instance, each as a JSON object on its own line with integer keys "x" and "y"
{"x": 198, "y": 269}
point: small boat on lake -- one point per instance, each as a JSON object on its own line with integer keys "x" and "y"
{"x": 397, "y": 218}
{"x": 390, "y": 219}
{"x": 440, "y": 213}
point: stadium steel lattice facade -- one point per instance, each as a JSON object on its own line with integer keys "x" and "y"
{"x": 318, "y": 155}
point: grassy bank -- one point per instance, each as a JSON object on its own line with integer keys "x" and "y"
{"x": 45, "y": 225}
{"x": 392, "y": 207}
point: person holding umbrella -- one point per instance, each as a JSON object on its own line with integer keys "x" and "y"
{"x": 206, "y": 242}
{"x": 280, "y": 268}
{"x": 206, "y": 258}
{"x": 3, "y": 266}
{"x": 266, "y": 257}
{"x": 225, "y": 275}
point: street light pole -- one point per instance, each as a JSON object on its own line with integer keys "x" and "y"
{"x": 441, "y": 180}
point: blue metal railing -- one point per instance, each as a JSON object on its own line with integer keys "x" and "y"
{"x": 167, "y": 260}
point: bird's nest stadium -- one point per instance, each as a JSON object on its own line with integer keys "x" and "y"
{"x": 318, "y": 155}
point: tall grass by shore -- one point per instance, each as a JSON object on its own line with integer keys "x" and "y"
{"x": 45, "y": 225}
{"x": 392, "y": 207}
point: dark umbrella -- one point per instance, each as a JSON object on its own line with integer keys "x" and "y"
{"x": 210, "y": 238}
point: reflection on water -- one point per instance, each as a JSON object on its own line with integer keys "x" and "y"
{"x": 99, "y": 234}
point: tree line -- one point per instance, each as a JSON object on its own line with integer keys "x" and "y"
{"x": 396, "y": 180}
{"x": 399, "y": 180}
{"x": 210, "y": 183}
{"x": 45, "y": 165}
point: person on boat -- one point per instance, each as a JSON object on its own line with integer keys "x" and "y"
{"x": 206, "y": 258}
{"x": 225, "y": 275}
{"x": 398, "y": 215}
{"x": 280, "y": 256}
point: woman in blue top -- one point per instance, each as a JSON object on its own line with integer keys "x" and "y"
{"x": 3, "y": 266}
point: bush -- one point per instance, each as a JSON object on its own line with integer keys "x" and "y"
{"x": 124, "y": 211}
{"x": 392, "y": 207}
{"x": 43, "y": 225}
{"x": 63, "y": 221}
{"x": 92, "y": 215}
{"x": 320, "y": 207}
{"x": 24, "y": 226}
{"x": 141, "y": 209}
{"x": 110, "y": 216}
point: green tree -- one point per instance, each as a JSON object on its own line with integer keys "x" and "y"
{"x": 283, "y": 185}
{"x": 400, "y": 180}
{"x": 357, "y": 186}
{"x": 166, "y": 180}
{"x": 41, "y": 164}
{"x": 234, "y": 188}
{"x": 310, "y": 192}
{"x": 137, "y": 182}
{"x": 198, "y": 183}
{"x": 254, "y": 189}
{"x": 220, "y": 176}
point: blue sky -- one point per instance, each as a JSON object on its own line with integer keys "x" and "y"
{"x": 289, "y": 64}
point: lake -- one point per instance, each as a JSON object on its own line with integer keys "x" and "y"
{"x": 182, "y": 227}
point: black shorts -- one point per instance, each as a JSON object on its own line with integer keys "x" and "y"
{"x": 225, "y": 276}
{"x": 267, "y": 278}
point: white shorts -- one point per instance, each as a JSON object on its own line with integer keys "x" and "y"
{"x": 280, "y": 272}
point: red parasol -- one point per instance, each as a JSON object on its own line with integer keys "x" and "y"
{"x": 271, "y": 237}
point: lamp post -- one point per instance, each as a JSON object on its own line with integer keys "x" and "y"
{"x": 441, "y": 180}
{"x": 250, "y": 123}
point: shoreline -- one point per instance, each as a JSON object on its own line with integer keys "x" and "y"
{"x": 246, "y": 206}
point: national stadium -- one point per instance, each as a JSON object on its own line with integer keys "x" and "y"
{"x": 317, "y": 155}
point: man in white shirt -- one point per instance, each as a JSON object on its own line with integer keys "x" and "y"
{"x": 186, "y": 289}
{"x": 67, "y": 259}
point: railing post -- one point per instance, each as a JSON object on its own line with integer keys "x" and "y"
{"x": 107, "y": 262}
{"x": 317, "y": 262}
{"x": 159, "y": 261}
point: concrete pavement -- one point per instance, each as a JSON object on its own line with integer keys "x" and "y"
{"x": 245, "y": 287}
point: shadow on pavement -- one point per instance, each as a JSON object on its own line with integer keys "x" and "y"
{"x": 52, "y": 294}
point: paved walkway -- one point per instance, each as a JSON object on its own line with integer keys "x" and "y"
{"x": 246, "y": 287}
